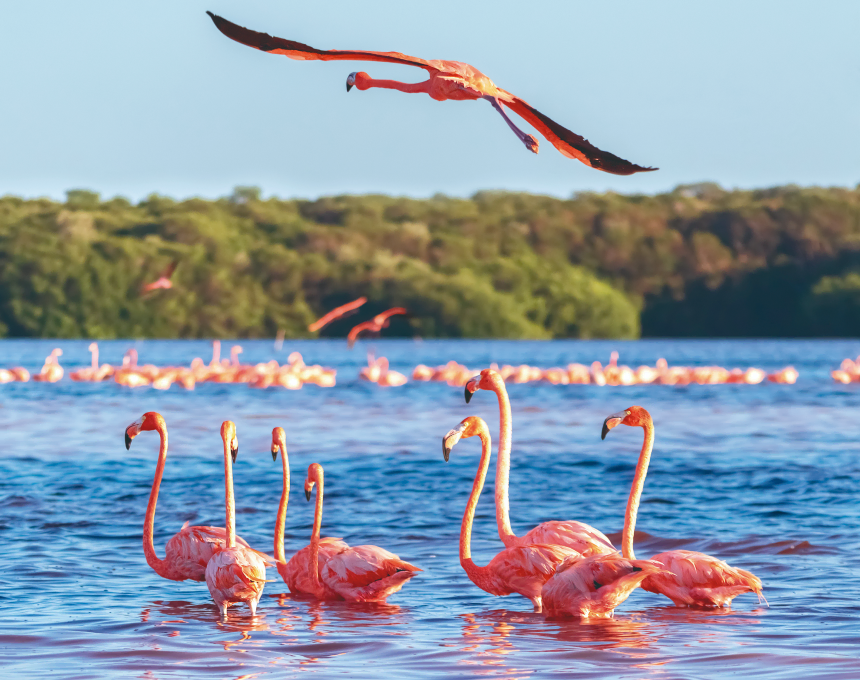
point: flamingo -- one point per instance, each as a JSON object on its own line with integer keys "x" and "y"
{"x": 690, "y": 578}
{"x": 336, "y": 313}
{"x": 376, "y": 324}
{"x": 297, "y": 573}
{"x": 235, "y": 573}
{"x": 189, "y": 550}
{"x": 362, "y": 573}
{"x": 586, "y": 540}
{"x": 163, "y": 280}
{"x": 94, "y": 373}
{"x": 447, "y": 80}
{"x": 51, "y": 371}
{"x": 522, "y": 569}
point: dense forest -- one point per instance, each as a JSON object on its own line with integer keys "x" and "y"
{"x": 698, "y": 261}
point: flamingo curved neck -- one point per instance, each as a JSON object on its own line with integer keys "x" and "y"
{"x": 636, "y": 491}
{"x": 412, "y": 88}
{"x": 228, "y": 493}
{"x": 281, "y": 520}
{"x": 503, "y": 465}
{"x": 473, "y": 571}
{"x": 315, "y": 536}
{"x": 158, "y": 565}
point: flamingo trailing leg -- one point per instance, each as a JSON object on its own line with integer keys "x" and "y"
{"x": 522, "y": 569}
{"x": 237, "y": 573}
{"x": 689, "y": 578}
{"x": 188, "y": 552}
{"x": 586, "y": 540}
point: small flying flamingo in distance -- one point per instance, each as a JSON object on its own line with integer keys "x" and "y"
{"x": 376, "y": 324}
{"x": 585, "y": 539}
{"x": 188, "y": 552}
{"x": 236, "y": 573}
{"x": 447, "y": 80}
{"x": 336, "y": 313}
{"x": 163, "y": 281}
{"x": 362, "y": 573}
{"x": 522, "y": 569}
{"x": 689, "y": 578}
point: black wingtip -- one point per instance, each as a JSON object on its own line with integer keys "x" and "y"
{"x": 127, "y": 442}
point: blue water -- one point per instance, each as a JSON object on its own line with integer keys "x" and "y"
{"x": 766, "y": 477}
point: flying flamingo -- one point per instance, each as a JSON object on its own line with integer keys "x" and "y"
{"x": 163, "y": 281}
{"x": 586, "y": 540}
{"x": 188, "y": 551}
{"x": 236, "y": 573}
{"x": 690, "y": 578}
{"x": 297, "y": 573}
{"x": 362, "y": 573}
{"x": 521, "y": 569}
{"x": 376, "y": 324}
{"x": 447, "y": 80}
{"x": 336, "y": 313}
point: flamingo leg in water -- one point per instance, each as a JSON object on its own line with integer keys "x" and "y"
{"x": 529, "y": 140}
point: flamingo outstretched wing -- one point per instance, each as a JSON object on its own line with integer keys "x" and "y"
{"x": 302, "y": 52}
{"x": 337, "y": 313}
{"x": 569, "y": 143}
{"x": 168, "y": 272}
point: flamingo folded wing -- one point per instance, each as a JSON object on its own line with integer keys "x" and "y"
{"x": 366, "y": 573}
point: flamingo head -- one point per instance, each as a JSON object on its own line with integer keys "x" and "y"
{"x": 148, "y": 421}
{"x": 635, "y": 415}
{"x": 279, "y": 438}
{"x": 487, "y": 380}
{"x": 350, "y": 80}
{"x": 468, "y": 427}
{"x": 228, "y": 434}
{"x": 315, "y": 474}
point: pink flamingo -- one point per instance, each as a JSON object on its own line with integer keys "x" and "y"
{"x": 52, "y": 371}
{"x": 188, "y": 551}
{"x": 163, "y": 280}
{"x": 235, "y": 573}
{"x": 586, "y": 540}
{"x": 297, "y": 572}
{"x": 362, "y": 573}
{"x": 337, "y": 313}
{"x": 522, "y": 569}
{"x": 689, "y": 578}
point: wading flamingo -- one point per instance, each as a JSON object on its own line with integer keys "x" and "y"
{"x": 336, "y": 313}
{"x": 376, "y": 324}
{"x": 188, "y": 552}
{"x": 586, "y": 540}
{"x": 51, "y": 371}
{"x": 447, "y": 80}
{"x": 521, "y": 569}
{"x": 297, "y": 572}
{"x": 237, "y": 573}
{"x": 362, "y": 573}
{"x": 163, "y": 281}
{"x": 690, "y": 578}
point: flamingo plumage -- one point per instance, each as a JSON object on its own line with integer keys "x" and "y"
{"x": 188, "y": 552}
{"x": 585, "y": 539}
{"x": 336, "y": 313}
{"x": 236, "y": 573}
{"x": 688, "y": 578}
{"x": 448, "y": 80}
{"x": 163, "y": 281}
{"x": 376, "y": 324}
{"x": 522, "y": 569}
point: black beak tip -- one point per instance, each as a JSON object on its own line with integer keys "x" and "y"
{"x": 604, "y": 431}
{"x": 234, "y": 453}
{"x": 307, "y": 494}
{"x": 446, "y": 452}
{"x": 127, "y": 442}
{"x": 468, "y": 395}
{"x": 274, "y": 455}
{"x": 348, "y": 87}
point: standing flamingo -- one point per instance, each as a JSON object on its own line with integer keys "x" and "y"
{"x": 448, "y": 80}
{"x": 336, "y": 313}
{"x": 188, "y": 551}
{"x": 521, "y": 569}
{"x": 586, "y": 540}
{"x": 236, "y": 573}
{"x": 690, "y": 578}
{"x": 298, "y": 573}
{"x": 51, "y": 371}
{"x": 376, "y": 324}
{"x": 362, "y": 573}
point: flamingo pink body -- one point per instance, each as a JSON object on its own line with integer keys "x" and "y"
{"x": 237, "y": 573}
{"x": 688, "y": 578}
{"x": 452, "y": 80}
{"x": 163, "y": 281}
{"x": 585, "y": 539}
{"x": 336, "y": 313}
{"x": 522, "y": 569}
{"x": 376, "y": 324}
{"x": 188, "y": 552}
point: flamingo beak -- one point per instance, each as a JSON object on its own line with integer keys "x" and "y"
{"x": 450, "y": 439}
{"x": 307, "y": 494}
{"x": 472, "y": 387}
{"x": 350, "y": 81}
{"x": 612, "y": 421}
{"x": 128, "y": 442}
{"x": 234, "y": 450}
{"x": 274, "y": 452}
{"x": 131, "y": 432}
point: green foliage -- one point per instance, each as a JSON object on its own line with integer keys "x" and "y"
{"x": 695, "y": 261}
{"x": 833, "y": 306}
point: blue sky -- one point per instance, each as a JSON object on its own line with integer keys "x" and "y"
{"x": 129, "y": 98}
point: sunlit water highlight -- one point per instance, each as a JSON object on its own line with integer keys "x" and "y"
{"x": 766, "y": 476}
